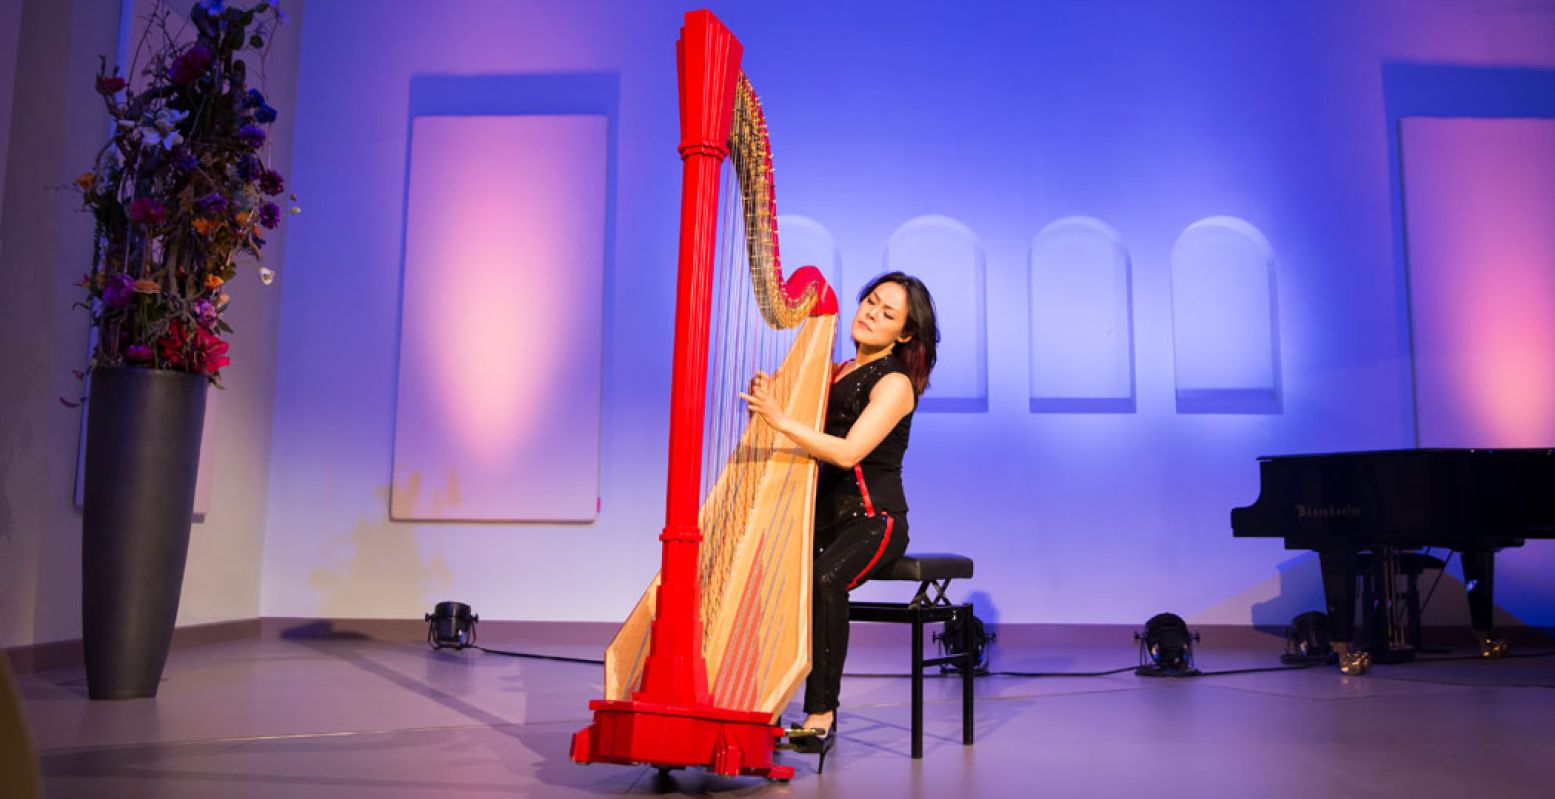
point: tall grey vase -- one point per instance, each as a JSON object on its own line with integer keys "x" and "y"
{"x": 142, "y": 458}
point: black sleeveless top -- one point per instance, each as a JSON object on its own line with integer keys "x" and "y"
{"x": 875, "y": 485}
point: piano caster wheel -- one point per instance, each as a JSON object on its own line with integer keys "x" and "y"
{"x": 1493, "y": 648}
{"x": 1354, "y": 664}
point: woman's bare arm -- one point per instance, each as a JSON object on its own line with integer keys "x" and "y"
{"x": 889, "y": 401}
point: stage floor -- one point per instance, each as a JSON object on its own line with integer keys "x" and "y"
{"x": 363, "y": 718}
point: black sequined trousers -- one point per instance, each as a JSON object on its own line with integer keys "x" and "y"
{"x": 847, "y": 553}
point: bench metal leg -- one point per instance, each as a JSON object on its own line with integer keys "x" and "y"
{"x": 968, "y": 665}
{"x": 965, "y": 659}
{"x": 917, "y": 684}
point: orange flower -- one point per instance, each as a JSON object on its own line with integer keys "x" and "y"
{"x": 205, "y": 226}
{"x": 242, "y": 219}
{"x": 144, "y": 286}
{"x": 87, "y": 181}
{"x": 221, "y": 300}
{"x": 213, "y": 282}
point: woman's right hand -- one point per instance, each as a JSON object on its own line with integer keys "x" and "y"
{"x": 760, "y": 402}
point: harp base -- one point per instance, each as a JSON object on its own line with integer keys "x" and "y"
{"x": 728, "y": 742}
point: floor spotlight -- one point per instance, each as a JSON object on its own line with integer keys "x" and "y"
{"x": 1166, "y": 647}
{"x": 451, "y": 625}
{"x": 1308, "y": 640}
{"x": 950, "y": 644}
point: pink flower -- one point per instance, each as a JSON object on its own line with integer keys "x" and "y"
{"x": 147, "y": 210}
{"x": 272, "y": 183}
{"x": 203, "y": 352}
{"x": 189, "y": 64}
{"x": 211, "y": 352}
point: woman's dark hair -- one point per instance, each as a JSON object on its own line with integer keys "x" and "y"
{"x": 919, "y": 352}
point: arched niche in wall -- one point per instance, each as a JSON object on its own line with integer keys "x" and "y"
{"x": 509, "y": 187}
{"x": 1082, "y": 321}
{"x": 948, "y": 257}
{"x": 1225, "y": 324}
{"x": 803, "y": 241}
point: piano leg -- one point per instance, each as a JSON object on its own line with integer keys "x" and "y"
{"x": 1338, "y": 567}
{"x": 1479, "y": 575}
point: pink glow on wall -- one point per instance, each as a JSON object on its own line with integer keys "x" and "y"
{"x": 1480, "y": 215}
{"x": 498, "y": 408}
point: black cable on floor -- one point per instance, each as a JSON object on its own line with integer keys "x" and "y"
{"x": 1083, "y": 673}
{"x": 1507, "y": 656}
{"x": 859, "y": 675}
{"x": 1060, "y": 673}
{"x": 1225, "y": 672}
{"x": 532, "y": 656}
{"x": 1038, "y": 674}
{"x": 1260, "y": 669}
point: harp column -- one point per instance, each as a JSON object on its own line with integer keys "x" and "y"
{"x": 708, "y": 61}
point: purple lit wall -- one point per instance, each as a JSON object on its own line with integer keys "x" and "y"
{"x": 1165, "y": 241}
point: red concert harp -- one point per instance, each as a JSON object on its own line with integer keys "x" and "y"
{"x": 720, "y": 641}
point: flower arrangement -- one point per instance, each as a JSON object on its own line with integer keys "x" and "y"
{"x": 181, "y": 190}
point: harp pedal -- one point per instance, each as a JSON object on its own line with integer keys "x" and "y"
{"x": 1493, "y": 648}
{"x": 1354, "y": 664}
{"x": 798, "y": 733}
{"x": 800, "y": 738}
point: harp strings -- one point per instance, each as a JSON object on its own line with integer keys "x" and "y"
{"x": 736, "y": 448}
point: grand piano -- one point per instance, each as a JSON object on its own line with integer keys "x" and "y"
{"x": 1390, "y": 502}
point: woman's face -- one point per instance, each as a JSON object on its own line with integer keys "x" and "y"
{"x": 881, "y": 317}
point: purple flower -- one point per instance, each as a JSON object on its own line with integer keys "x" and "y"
{"x": 205, "y": 312}
{"x": 211, "y": 204}
{"x": 263, "y": 113}
{"x": 249, "y": 168}
{"x": 251, "y": 136}
{"x": 139, "y": 353}
{"x": 213, "y": 7}
{"x": 272, "y": 183}
{"x": 189, "y": 64}
{"x": 185, "y": 160}
{"x": 270, "y": 215}
{"x": 118, "y": 290}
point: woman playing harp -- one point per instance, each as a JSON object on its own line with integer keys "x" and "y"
{"x": 861, "y": 508}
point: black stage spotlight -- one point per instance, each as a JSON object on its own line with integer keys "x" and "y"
{"x": 950, "y": 644}
{"x": 1308, "y": 640}
{"x": 452, "y": 625}
{"x": 1166, "y": 647}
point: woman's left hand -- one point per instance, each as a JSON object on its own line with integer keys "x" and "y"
{"x": 761, "y": 403}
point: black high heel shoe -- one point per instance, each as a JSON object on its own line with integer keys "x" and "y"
{"x": 812, "y": 741}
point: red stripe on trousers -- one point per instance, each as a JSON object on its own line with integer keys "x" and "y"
{"x": 881, "y": 551}
{"x": 858, "y": 472}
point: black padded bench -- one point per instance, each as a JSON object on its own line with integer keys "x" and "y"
{"x": 933, "y": 573}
